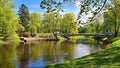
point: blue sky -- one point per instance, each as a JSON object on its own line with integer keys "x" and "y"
{"x": 33, "y": 6}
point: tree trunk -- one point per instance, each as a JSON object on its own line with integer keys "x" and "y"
{"x": 116, "y": 33}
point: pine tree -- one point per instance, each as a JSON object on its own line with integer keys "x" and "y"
{"x": 24, "y": 16}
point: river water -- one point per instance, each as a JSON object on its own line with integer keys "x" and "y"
{"x": 39, "y": 54}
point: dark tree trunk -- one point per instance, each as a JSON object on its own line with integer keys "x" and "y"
{"x": 116, "y": 33}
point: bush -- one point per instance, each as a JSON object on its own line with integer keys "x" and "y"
{"x": 11, "y": 37}
{"x": 25, "y": 34}
{"x": 32, "y": 35}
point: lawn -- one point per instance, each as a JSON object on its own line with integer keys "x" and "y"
{"x": 108, "y": 58}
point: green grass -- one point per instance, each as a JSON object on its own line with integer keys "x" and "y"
{"x": 60, "y": 37}
{"x": 45, "y": 35}
{"x": 108, "y": 58}
{"x": 114, "y": 39}
{"x": 78, "y": 37}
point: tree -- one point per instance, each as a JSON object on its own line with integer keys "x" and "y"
{"x": 7, "y": 20}
{"x": 94, "y": 27}
{"x": 50, "y": 23}
{"x": 96, "y": 24}
{"x": 20, "y": 28}
{"x": 108, "y": 22}
{"x": 35, "y": 25}
{"x": 24, "y": 16}
{"x": 67, "y": 25}
{"x": 86, "y": 6}
{"x": 112, "y": 17}
{"x": 116, "y": 17}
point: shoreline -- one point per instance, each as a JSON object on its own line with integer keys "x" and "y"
{"x": 23, "y": 39}
{"x": 108, "y": 57}
{"x": 28, "y": 39}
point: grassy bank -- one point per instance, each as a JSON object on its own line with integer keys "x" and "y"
{"x": 108, "y": 58}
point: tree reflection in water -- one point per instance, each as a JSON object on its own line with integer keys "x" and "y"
{"x": 39, "y": 54}
{"x": 7, "y": 56}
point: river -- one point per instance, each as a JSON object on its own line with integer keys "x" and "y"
{"x": 39, "y": 54}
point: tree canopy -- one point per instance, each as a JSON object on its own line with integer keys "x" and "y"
{"x": 24, "y": 16}
{"x": 86, "y": 6}
{"x": 68, "y": 24}
{"x": 35, "y": 24}
{"x": 7, "y": 20}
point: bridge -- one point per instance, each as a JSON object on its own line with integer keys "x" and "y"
{"x": 88, "y": 34}
{"x": 66, "y": 36}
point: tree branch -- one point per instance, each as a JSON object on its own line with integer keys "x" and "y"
{"x": 99, "y": 10}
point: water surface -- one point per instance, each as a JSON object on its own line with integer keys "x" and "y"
{"x": 39, "y": 54}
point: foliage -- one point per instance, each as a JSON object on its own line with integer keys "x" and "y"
{"x": 35, "y": 24}
{"x": 20, "y": 28}
{"x": 108, "y": 22}
{"x": 82, "y": 29}
{"x": 7, "y": 19}
{"x": 50, "y": 23}
{"x": 112, "y": 18}
{"x": 95, "y": 25}
{"x": 24, "y": 16}
{"x": 49, "y": 4}
{"x": 86, "y": 6}
{"x": 11, "y": 37}
{"x": 68, "y": 24}
{"x": 94, "y": 28}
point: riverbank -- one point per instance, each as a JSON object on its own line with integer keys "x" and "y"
{"x": 8, "y": 42}
{"x": 37, "y": 39}
{"x": 108, "y": 58}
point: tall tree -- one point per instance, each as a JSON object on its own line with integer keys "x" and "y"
{"x": 7, "y": 20}
{"x": 116, "y": 17}
{"x": 24, "y": 16}
{"x": 112, "y": 17}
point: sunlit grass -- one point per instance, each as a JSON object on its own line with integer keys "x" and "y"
{"x": 78, "y": 37}
{"x": 116, "y": 38}
{"x": 45, "y": 35}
